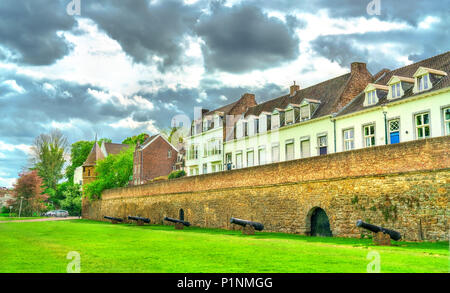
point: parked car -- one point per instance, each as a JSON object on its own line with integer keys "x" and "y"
{"x": 61, "y": 213}
{"x": 57, "y": 213}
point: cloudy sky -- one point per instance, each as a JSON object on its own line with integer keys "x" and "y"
{"x": 124, "y": 67}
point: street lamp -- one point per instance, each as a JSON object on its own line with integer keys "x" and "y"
{"x": 10, "y": 209}
{"x": 385, "y": 125}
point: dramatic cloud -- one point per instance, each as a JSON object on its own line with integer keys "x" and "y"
{"x": 243, "y": 38}
{"x": 147, "y": 31}
{"x": 29, "y": 31}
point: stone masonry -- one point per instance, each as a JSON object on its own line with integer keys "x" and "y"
{"x": 404, "y": 187}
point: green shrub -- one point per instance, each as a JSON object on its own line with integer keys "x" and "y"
{"x": 177, "y": 174}
{"x": 5, "y": 210}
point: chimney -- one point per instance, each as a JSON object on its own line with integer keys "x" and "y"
{"x": 293, "y": 89}
{"x": 358, "y": 67}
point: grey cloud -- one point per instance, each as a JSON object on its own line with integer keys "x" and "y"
{"x": 145, "y": 29}
{"x": 28, "y": 29}
{"x": 243, "y": 38}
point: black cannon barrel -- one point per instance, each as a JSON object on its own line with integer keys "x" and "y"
{"x": 145, "y": 220}
{"x": 374, "y": 228}
{"x": 258, "y": 226}
{"x": 113, "y": 219}
{"x": 177, "y": 221}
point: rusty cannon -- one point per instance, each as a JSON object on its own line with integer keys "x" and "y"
{"x": 140, "y": 221}
{"x": 249, "y": 227}
{"x": 379, "y": 232}
{"x": 114, "y": 220}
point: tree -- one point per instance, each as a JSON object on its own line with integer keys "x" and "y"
{"x": 72, "y": 200}
{"x": 28, "y": 192}
{"x": 79, "y": 152}
{"x": 135, "y": 139}
{"x": 48, "y": 157}
{"x": 113, "y": 171}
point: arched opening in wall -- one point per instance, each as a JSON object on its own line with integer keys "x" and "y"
{"x": 181, "y": 215}
{"x": 320, "y": 225}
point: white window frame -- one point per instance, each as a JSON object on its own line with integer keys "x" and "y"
{"x": 307, "y": 106}
{"x": 370, "y": 136}
{"x": 287, "y": 143}
{"x": 289, "y": 116}
{"x": 423, "y": 82}
{"x": 423, "y": 126}
{"x": 372, "y": 98}
{"x": 446, "y": 121}
{"x": 252, "y": 152}
{"x": 395, "y": 90}
{"x": 262, "y": 149}
{"x": 349, "y": 142}
{"x": 277, "y": 145}
{"x": 275, "y": 118}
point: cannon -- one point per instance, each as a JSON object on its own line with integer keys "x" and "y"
{"x": 114, "y": 220}
{"x": 394, "y": 235}
{"x": 139, "y": 220}
{"x": 176, "y": 221}
{"x": 244, "y": 223}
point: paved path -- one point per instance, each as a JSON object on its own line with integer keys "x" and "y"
{"x": 41, "y": 220}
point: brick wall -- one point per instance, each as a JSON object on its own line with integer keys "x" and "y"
{"x": 403, "y": 187}
{"x": 155, "y": 160}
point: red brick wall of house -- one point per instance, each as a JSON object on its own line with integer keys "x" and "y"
{"x": 155, "y": 160}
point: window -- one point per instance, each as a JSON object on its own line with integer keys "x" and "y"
{"x": 262, "y": 123}
{"x": 275, "y": 153}
{"x": 323, "y": 144}
{"x": 349, "y": 139}
{"x": 395, "y": 90}
{"x": 290, "y": 150}
{"x": 369, "y": 135}
{"x": 289, "y": 116}
{"x": 447, "y": 121}
{"x": 239, "y": 160}
{"x": 422, "y": 125}
{"x": 262, "y": 156}
{"x": 275, "y": 121}
{"x": 239, "y": 129}
{"x": 205, "y": 168}
{"x": 422, "y": 82}
{"x": 305, "y": 112}
{"x": 305, "y": 148}
{"x": 169, "y": 154}
{"x": 205, "y": 125}
{"x": 250, "y": 158}
{"x": 372, "y": 97}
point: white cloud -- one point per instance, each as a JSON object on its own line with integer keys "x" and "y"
{"x": 13, "y": 85}
{"x": 428, "y": 22}
{"x": 10, "y": 147}
{"x": 132, "y": 124}
{"x": 7, "y": 182}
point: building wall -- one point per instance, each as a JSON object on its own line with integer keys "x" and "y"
{"x": 78, "y": 175}
{"x": 201, "y": 139}
{"x": 89, "y": 174}
{"x": 403, "y": 187}
{"x": 405, "y": 111}
{"x": 155, "y": 160}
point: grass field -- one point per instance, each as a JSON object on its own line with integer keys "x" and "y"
{"x": 17, "y": 218}
{"x": 103, "y": 247}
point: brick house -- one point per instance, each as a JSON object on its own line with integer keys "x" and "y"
{"x": 99, "y": 153}
{"x": 155, "y": 157}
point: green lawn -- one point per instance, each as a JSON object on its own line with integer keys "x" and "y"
{"x": 43, "y": 247}
{"x": 21, "y": 218}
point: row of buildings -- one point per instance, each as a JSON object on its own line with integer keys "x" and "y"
{"x": 352, "y": 111}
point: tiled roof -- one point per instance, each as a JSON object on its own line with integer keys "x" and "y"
{"x": 327, "y": 92}
{"x": 225, "y": 109}
{"x": 439, "y": 62}
{"x": 95, "y": 155}
{"x": 114, "y": 148}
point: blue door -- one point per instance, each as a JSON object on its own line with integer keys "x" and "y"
{"x": 323, "y": 151}
{"x": 395, "y": 137}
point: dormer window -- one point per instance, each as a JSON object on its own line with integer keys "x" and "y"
{"x": 425, "y": 78}
{"x": 372, "y": 97}
{"x": 395, "y": 90}
{"x": 275, "y": 120}
{"x": 305, "y": 112}
{"x": 264, "y": 122}
{"x": 289, "y": 116}
{"x": 422, "y": 82}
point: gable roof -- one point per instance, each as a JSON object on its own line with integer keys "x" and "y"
{"x": 153, "y": 138}
{"x": 95, "y": 155}
{"x": 440, "y": 62}
{"x": 327, "y": 93}
{"x": 113, "y": 148}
